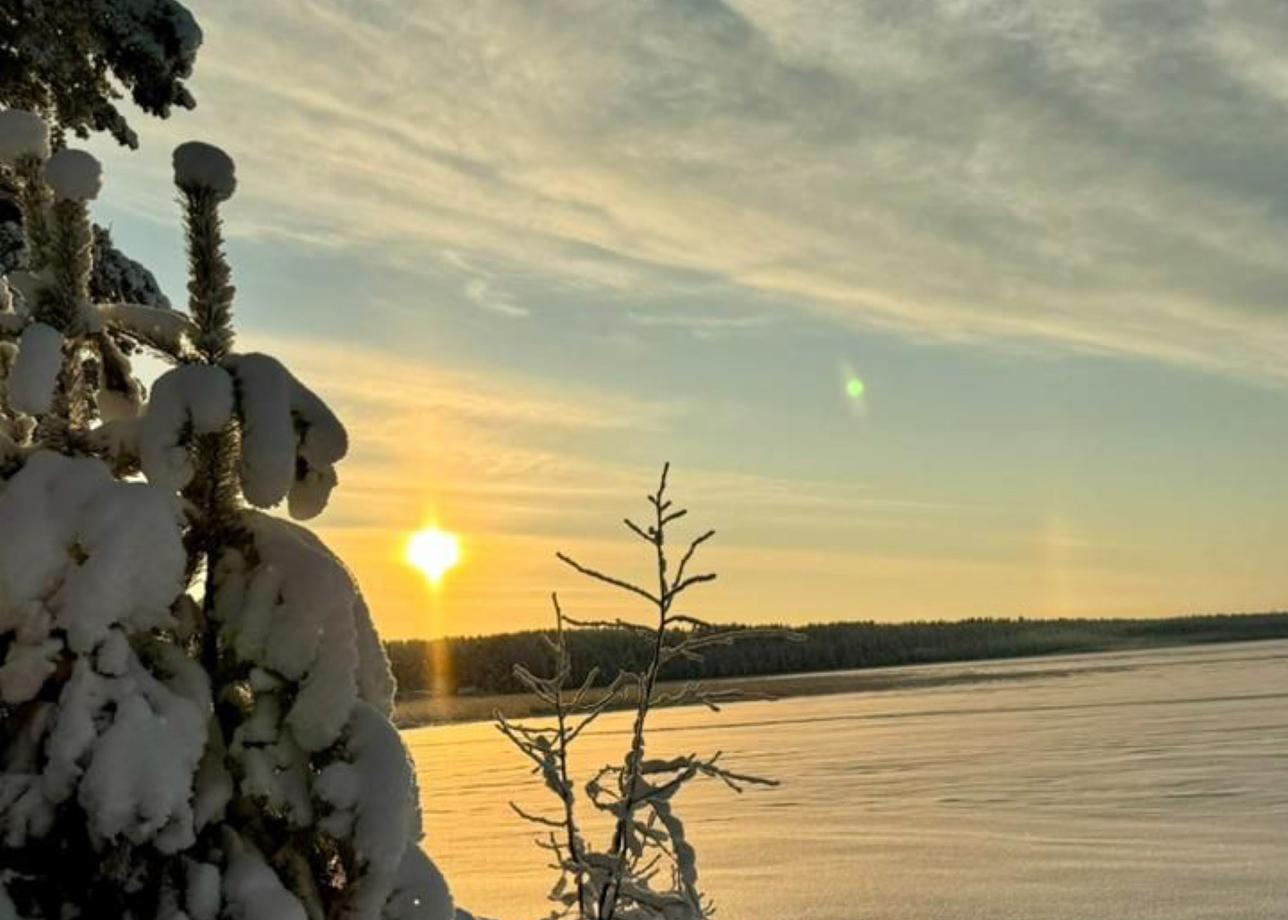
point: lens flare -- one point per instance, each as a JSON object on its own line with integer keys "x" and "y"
{"x": 854, "y": 388}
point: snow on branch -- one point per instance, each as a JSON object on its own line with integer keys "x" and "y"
{"x": 648, "y": 871}
{"x": 290, "y": 439}
{"x": 192, "y": 399}
{"x": 194, "y": 701}
{"x": 23, "y": 135}
{"x": 167, "y": 331}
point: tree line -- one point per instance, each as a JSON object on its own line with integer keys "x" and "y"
{"x": 485, "y": 664}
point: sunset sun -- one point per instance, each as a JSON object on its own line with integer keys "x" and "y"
{"x": 434, "y": 552}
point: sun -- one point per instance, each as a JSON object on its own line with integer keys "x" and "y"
{"x": 434, "y": 552}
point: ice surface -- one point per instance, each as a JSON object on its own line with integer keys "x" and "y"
{"x": 1142, "y": 785}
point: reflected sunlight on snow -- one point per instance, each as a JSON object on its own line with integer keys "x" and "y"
{"x": 1147, "y": 785}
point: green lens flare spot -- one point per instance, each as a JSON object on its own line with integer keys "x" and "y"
{"x": 854, "y": 387}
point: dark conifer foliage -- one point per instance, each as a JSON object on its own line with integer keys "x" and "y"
{"x": 482, "y": 663}
{"x": 65, "y": 59}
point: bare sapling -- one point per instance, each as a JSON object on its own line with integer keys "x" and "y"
{"x": 648, "y": 870}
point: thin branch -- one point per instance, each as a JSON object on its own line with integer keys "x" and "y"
{"x": 691, "y": 581}
{"x": 609, "y": 624}
{"x": 692, "y": 621}
{"x": 536, "y": 819}
{"x": 688, "y": 555}
{"x": 621, "y": 880}
{"x": 638, "y": 531}
{"x": 607, "y": 579}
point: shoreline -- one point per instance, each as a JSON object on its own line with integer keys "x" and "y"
{"x": 429, "y": 711}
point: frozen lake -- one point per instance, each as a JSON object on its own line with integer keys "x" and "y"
{"x": 1142, "y": 786}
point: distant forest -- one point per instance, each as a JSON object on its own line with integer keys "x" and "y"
{"x": 485, "y": 664}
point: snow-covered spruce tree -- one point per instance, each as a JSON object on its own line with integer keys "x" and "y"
{"x": 194, "y": 705}
{"x": 65, "y": 61}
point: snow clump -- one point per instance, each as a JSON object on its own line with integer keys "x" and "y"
{"x": 74, "y": 175}
{"x": 35, "y": 370}
{"x": 22, "y": 134}
{"x": 200, "y": 165}
{"x": 191, "y": 398}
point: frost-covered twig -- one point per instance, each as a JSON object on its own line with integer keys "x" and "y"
{"x": 548, "y": 749}
{"x": 625, "y": 880}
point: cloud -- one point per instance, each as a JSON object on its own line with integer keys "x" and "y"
{"x": 1076, "y": 172}
{"x": 498, "y": 452}
{"x": 703, "y": 325}
{"x": 522, "y": 467}
{"x": 526, "y": 456}
{"x": 482, "y": 288}
{"x": 485, "y": 294}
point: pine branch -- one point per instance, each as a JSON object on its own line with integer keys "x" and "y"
{"x": 210, "y": 292}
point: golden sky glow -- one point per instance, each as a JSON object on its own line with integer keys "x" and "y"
{"x": 913, "y": 351}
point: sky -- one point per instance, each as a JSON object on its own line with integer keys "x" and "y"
{"x": 530, "y": 251}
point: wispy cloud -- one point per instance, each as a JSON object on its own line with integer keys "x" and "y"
{"x": 523, "y": 468}
{"x": 703, "y": 325}
{"x": 468, "y": 421}
{"x": 556, "y": 197}
{"x": 486, "y": 295}
{"x": 518, "y": 444}
{"x": 1098, "y": 176}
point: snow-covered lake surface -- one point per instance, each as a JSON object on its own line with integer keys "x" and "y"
{"x": 1141, "y": 786}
